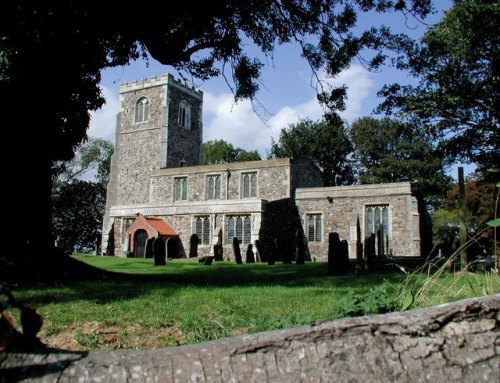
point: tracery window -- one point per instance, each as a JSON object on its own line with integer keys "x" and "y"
{"x": 314, "y": 227}
{"x": 213, "y": 187}
{"x": 184, "y": 117}
{"x": 142, "y": 110}
{"x": 240, "y": 227}
{"x": 180, "y": 189}
{"x": 202, "y": 229}
{"x": 249, "y": 185}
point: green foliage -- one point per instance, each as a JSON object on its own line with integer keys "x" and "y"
{"x": 456, "y": 65}
{"x": 92, "y": 155}
{"x": 325, "y": 143}
{"x": 377, "y": 301}
{"x": 391, "y": 151}
{"x": 78, "y": 208}
{"x": 220, "y": 152}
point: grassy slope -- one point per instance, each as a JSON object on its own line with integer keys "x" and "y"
{"x": 139, "y": 305}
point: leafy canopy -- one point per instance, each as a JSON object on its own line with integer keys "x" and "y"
{"x": 391, "y": 151}
{"x": 220, "y": 152}
{"x": 457, "y": 65}
{"x": 325, "y": 143}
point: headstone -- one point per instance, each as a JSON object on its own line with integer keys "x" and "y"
{"x": 193, "y": 246}
{"x": 218, "y": 253}
{"x": 301, "y": 254}
{"x": 208, "y": 261}
{"x": 337, "y": 263}
{"x": 359, "y": 247}
{"x": 237, "y": 251}
{"x": 260, "y": 250}
{"x": 250, "y": 254}
{"x": 159, "y": 252}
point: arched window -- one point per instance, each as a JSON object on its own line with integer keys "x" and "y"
{"x": 184, "y": 118}
{"x": 142, "y": 110}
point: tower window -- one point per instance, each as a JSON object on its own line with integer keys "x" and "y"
{"x": 249, "y": 185}
{"x": 180, "y": 189}
{"x": 142, "y": 110}
{"x": 184, "y": 118}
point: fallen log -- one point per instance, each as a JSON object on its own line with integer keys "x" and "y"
{"x": 458, "y": 341}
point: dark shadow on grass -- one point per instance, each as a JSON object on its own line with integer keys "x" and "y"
{"x": 79, "y": 281}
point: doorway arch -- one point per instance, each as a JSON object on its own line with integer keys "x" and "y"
{"x": 140, "y": 238}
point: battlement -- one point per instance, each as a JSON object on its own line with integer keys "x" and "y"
{"x": 166, "y": 79}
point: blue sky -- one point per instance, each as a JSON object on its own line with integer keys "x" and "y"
{"x": 286, "y": 92}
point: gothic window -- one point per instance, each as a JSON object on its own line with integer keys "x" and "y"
{"x": 377, "y": 223}
{"x": 240, "y": 227}
{"x": 180, "y": 189}
{"x": 249, "y": 185}
{"x": 142, "y": 110}
{"x": 184, "y": 118}
{"x": 314, "y": 227}
{"x": 213, "y": 187}
{"x": 202, "y": 229}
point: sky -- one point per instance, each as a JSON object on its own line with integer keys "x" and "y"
{"x": 286, "y": 92}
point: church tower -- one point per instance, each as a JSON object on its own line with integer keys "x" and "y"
{"x": 159, "y": 125}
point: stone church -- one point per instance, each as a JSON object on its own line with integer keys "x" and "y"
{"x": 161, "y": 200}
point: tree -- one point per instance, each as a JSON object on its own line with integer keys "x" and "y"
{"x": 78, "y": 205}
{"x": 93, "y": 155}
{"x": 326, "y": 144}
{"x": 220, "y": 151}
{"x": 457, "y": 65}
{"x": 52, "y": 54}
{"x": 78, "y": 208}
{"x": 391, "y": 151}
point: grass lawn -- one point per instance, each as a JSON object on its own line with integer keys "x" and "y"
{"x": 138, "y": 305}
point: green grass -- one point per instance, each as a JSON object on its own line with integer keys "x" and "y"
{"x": 139, "y": 305}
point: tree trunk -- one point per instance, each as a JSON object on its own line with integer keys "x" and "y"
{"x": 456, "y": 342}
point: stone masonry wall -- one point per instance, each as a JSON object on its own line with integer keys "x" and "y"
{"x": 340, "y": 215}
{"x": 183, "y": 144}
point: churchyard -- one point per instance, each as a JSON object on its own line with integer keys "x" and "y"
{"x": 133, "y": 304}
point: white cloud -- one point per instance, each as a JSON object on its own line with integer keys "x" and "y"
{"x": 103, "y": 121}
{"x": 239, "y": 124}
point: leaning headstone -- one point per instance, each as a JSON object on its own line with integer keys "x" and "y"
{"x": 370, "y": 260}
{"x": 359, "y": 247}
{"x": 193, "y": 246}
{"x": 346, "y": 264}
{"x": 260, "y": 250}
{"x": 159, "y": 252}
{"x": 250, "y": 254}
{"x": 208, "y": 260}
{"x": 218, "y": 253}
{"x": 237, "y": 251}
{"x": 301, "y": 254}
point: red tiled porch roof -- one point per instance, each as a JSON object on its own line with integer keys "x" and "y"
{"x": 161, "y": 226}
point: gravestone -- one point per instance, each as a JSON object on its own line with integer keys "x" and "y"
{"x": 237, "y": 251}
{"x": 159, "y": 252}
{"x": 301, "y": 255}
{"x": 193, "y": 246}
{"x": 250, "y": 254}
{"x": 260, "y": 249}
{"x": 337, "y": 262}
{"x": 208, "y": 260}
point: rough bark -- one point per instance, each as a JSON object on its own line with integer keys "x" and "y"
{"x": 452, "y": 342}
